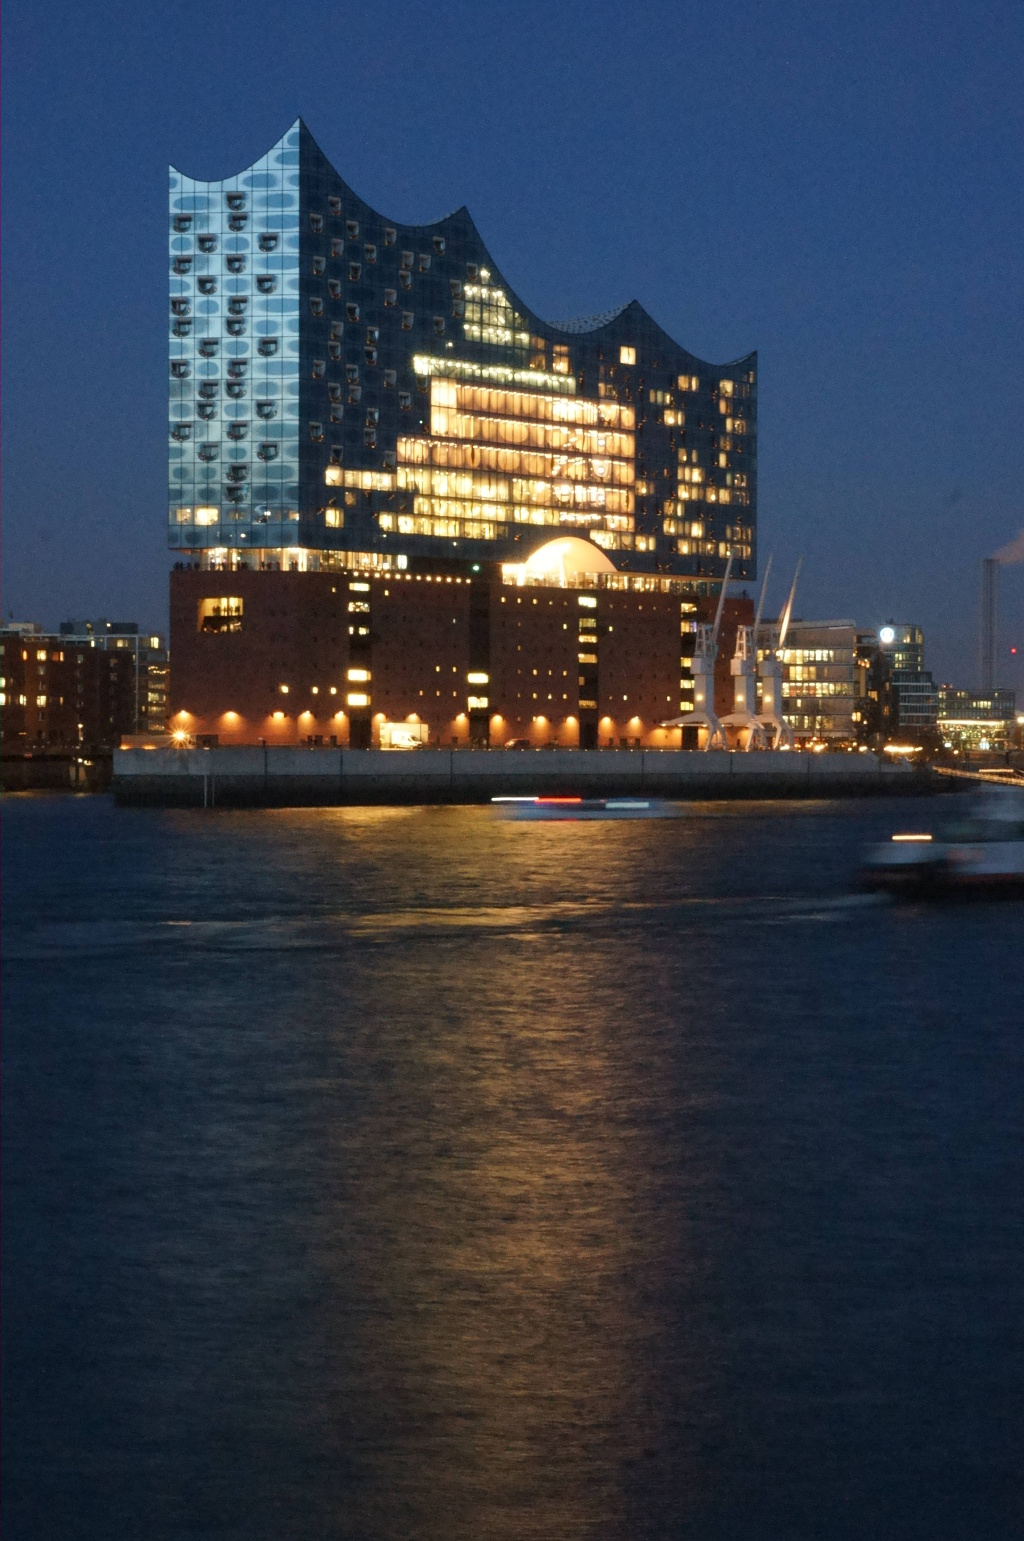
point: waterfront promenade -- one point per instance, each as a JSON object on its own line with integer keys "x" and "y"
{"x": 318, "y": 777}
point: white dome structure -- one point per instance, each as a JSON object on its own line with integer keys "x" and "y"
{"x": 568, "y": 555}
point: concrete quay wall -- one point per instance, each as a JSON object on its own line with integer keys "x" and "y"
{"x": 318, "y": 777}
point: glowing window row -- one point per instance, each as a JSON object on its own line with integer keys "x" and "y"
{"x": 534, "y": 405}
{"x": 519, "y": 513}
{"x": 501, "y": 374}
{"x": 545, "y": 494}
{"x": 481, "y": 457}
{"x": 498, "y": 430}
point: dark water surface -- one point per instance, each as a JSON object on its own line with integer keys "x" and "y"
{"x": 401, "y": 1173}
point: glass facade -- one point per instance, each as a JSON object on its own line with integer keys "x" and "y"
{"x": 342, "y": 385}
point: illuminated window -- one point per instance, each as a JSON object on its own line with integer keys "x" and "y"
{"x": 627, "y": 355}
{"x": 219, "y": 615}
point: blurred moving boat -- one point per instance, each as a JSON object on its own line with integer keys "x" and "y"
{"x": 983, "y": 850}
{"x": 574, "y": 808}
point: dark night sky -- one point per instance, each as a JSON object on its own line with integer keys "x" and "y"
{"x": 837, "y": 186}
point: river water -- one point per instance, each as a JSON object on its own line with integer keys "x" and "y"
{"x": 392, "y": 1173}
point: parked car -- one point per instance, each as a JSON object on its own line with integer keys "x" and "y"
{"x": 518, "y": 743}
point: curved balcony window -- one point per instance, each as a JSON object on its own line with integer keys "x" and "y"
{"x": 456, "y": 287}
{"x": 237, "y": 304}
{"x": 334, "y": 203}
{"x": 181, "y": 307}
{"x": 235, "y": 389}
{"x": 266, "y": 410}
{"x": 390, "y": 459}
{"x": 235, "y": 200}
{"x": 334, "y": 391}
{"x": 235, "y": 326}
{"x": 424, "y": 262}
{"x": 235, "y": 264}
{"x": 439, "y": 325}
{"x": 334, "y": 350}
{"x": 267, "y": 347}
{"x": 179, "y": 369}
{"x": 207, "y": 286}
{"x": 337, "y": 454}
{"x": 236, "y": 494}
{"x": 405, "y": 400}
{"x": 207, "y": 411}
{"x": 207, "y": 452}
{"x": 337, "y": 248}
{"x": 337, "y": 330}
{"x": 182, "y": 222}
{"x": 352, "y": 311}
{"x": 268, "y": 451}
{"x": 182, "y": 328}
{"x": 371, "y": 355}
{"x": 439, "y": 245}
{"x": 390, "y": 235}
{"x": 182, "y": 265}
{"x": 207, "y": 243}
{"x": 319, "y": 263}
{"x": 391, "y": 296}
{"x": 237, "y": 430}
{"x": 316, "y": 306}
{"x": 208, "y": 346}
{"x": 354, "y": 270}
{"x": 372, "y": 417}
{"x": 334, "y": 288}
{"x": 352, "y": 229}
{"x": 405, "y": 280}
{"x": 319, "y": 368}
{"x": 269, "y": 240}
{"x": 352, "y": 373}
{"x": 181, "y": 432}
{"x": 208, "y": 390}
{"x": 472, "y": 270}
{"x": 458, "y": 308}
{"x": 316, "y": 432}
{"x": 370, "y": 438}
{"x": 405, "y": 261}
{"x": 237, "y": 368}
{"x": 238, "y": 473}
{"x": 316, "y": 223}
{"x": 337, "y": 412}
{"x": 390, "y": 376}
{"x": 372, "y": 335}
{"x": 266, "y": 283}
{"x": 407, "y": 320}
{"x": 355, "y": 395}
{"x": 238, "y": 221}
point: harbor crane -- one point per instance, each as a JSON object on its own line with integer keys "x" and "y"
{"x": 777, "y": 730}
{"x": 742, "y": 726}
{"x": 710, "y": 733}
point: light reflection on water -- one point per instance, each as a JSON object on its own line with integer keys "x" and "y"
{"x": 393, "y": 1172}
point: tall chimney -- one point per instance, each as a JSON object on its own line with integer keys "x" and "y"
{"x": 988, "y": 621}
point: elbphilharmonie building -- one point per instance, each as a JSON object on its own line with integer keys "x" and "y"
{"x": 348, "y": 392}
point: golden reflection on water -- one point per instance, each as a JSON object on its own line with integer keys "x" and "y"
{"x": 507, "y": 1241}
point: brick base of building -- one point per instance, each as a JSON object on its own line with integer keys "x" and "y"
{"x": 293, "y": 658}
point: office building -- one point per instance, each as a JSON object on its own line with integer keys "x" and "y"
{"x": 79, "y": 690}
{"x": 975, "y": 719}
{"x": 916, "y": 692}
{"x": 819, "y": 681}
